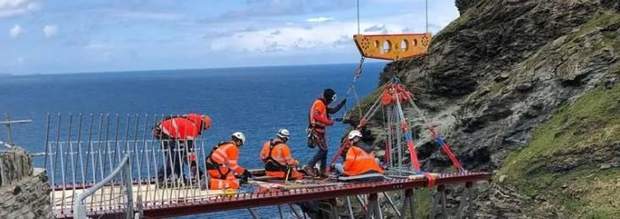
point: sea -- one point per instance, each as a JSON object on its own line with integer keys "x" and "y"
{"x": 255, "y": 100}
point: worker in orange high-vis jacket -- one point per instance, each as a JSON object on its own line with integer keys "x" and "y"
{"x": 359, "y": 158}
{"x": 222, "y": 164}
{"x": 319, "y": 119}
{"x": 278, "y": 159}
{"x": 177, "y": 135}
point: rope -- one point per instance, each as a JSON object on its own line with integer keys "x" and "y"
{"x": 357, "y": 73}
{"x": 358, "y": 16}
{"x": 426, "y": 13}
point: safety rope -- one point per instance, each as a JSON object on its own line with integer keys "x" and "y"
{"x": 357, "y": 73}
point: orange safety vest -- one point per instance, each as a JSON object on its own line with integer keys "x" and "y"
{"x": 318, "y": 116}
{"x": 277, "y": 158}
{"x": 222, "y": 166}
{"x": 358, "y": 162}
{"x": 224, "y": 158}
{"x": 180, "y": 128}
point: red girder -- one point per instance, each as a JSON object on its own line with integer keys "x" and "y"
{"x": 252, "y": 200}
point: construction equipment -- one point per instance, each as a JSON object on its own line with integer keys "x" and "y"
{"x": 392, "y": 46}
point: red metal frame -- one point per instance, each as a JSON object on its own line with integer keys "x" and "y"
{"x": 252, "y": 200}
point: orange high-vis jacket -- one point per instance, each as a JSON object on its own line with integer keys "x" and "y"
{"x": 280, "y": 153}
{"x": 358, "y": 162}
{"x": 319, "y": 117}
{"x": 180, "y": 128}
{"x": 227, "y": 155}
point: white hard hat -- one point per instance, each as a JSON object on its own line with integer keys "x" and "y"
{"x": 240, "y": 136}
{"x": 283, "y": 133}
{"x": 354, "y": 133}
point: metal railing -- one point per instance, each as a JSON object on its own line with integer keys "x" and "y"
{"x": 82, "y": 150}
{"x": 123, "y": 170}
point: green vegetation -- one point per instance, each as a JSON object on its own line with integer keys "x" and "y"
{"x": 589, "y": 125}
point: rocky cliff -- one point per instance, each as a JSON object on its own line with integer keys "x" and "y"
{"x": 526, "y": 89}
{"x": 24, "y": 189}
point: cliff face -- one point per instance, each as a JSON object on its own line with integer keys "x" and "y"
{"x": 506, "y": 67}
{"x": 24, "y": 190}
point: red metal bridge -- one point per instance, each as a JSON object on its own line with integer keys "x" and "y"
{"x": 101, "y": 171}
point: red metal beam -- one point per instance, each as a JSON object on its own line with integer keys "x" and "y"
{"x": 253, "y": 200}
{"x": 259, "y": 200}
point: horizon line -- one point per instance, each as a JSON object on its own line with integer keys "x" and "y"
{"x": 182, "y": 69}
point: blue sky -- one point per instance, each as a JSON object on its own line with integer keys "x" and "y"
{"x": 60, "y": 36}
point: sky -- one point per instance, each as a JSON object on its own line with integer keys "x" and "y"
{"x": 60, "y": 36}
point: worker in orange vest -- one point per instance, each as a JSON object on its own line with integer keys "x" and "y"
{"x": 319, "y": 119}
{"x": 177, "y": 135}
{"x": 277, "y": 157}
{"x": 222, "y": 164}
{"x": 359, "y": 158}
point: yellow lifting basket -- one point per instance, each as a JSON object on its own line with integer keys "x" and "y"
{"x": 393, "y": 46}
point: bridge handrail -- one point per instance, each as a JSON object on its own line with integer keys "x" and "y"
{"x": 123, "y": 168}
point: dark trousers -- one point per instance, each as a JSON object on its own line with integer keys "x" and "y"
{"x": 175, "y": 155}
{"x": 321, "y": 155}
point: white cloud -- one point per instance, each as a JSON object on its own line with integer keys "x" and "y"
{"x": 10, "y": 8}
{"x": 16, "y": 31}
{"x": 50, "y": 30}
{"x": 319, "y": 19}
{"x": 293, "y": 38}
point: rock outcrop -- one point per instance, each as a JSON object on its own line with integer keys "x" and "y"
{"x": 24, "y": 190}
{"x": 501, "y": 70}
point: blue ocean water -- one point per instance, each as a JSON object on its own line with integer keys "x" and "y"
{"x": 255, "y": 100}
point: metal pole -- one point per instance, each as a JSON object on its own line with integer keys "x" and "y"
{"x": 398, "y": 213}
{"x": 280, "y": 210}
{"x": 253, "y": 213}
{"x": 145, "y": 152}
{"x": 9, "y": 129}
{"x": 71, "y": 156}
{"x": 408, "y": 202}
{"x": 91, "y": 153}
{"x": 442, "y": 190}
{"x": 350, "y": 208}
{"x": 138, "y": 156}
{"x": 62, "y": 167}
{"x": 79, "y": 147}
{"x": 128, "y": 188}
{"x": 47, "y": 137}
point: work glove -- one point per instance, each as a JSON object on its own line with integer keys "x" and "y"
{"x": 247, "y": 174}
{"x": 243, "y": 180}
{"x": 244, "y": 177}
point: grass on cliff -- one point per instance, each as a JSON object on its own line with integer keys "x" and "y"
{"x": 585, "y": 191}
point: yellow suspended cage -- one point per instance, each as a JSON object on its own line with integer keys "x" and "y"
{"x": 392, "y": 46}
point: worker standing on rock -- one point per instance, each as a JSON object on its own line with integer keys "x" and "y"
{"x": 278, "y": 159}
{"x": 319, "y": 120}
{"x": 176, "y": 133}
{"x": 222, "y": 164}
{"x": 359, "y": 158}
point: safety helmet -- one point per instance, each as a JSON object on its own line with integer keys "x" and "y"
{"x": 207, "y": 122}
{"x": 283, "y": 133}
{"x": 354, "y": 133}
{"x": 239, "y": 136}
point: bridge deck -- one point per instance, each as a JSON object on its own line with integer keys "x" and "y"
{"x": 167, "y": 202}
